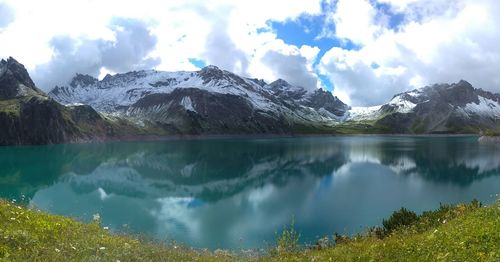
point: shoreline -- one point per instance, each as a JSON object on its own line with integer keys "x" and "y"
{"x": 152, "y": 138}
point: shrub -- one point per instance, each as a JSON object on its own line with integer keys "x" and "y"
{"x": 339, "y": 239}
{"x": 400, "y": 218}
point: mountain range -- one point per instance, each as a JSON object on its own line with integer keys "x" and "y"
{"x": 211, "y": 101}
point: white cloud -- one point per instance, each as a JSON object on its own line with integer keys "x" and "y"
{"x": 127, "y": 51}
{"x": 436, "y": 40}
{"x": 221, "y": 32}
{"x": 457, "y": 43}
{"x": 355, "y": 20}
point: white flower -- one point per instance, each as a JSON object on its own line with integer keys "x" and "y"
{"x": 96, "y": 217}
{"x": 105, "y": 228}
{"x": 57, "y": 250}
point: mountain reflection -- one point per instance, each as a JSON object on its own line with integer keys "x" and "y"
{"x": 235, "y": 193}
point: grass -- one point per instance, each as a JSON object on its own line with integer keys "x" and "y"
{"x": 491, "y": 133}
{"x": 10, "y": 106}
{"x": 30, "y": 235}
{"x": 466, "y": 232}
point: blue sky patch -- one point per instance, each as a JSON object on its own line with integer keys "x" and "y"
{"x": 308, "y": 30}
{"x": 394, "y": 19}
{"x": 197, "y": 62}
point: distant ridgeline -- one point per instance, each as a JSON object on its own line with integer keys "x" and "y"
{"x": 149, "y": 104}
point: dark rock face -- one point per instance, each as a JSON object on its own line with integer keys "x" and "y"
{"x": 40, "y": 121}
{"x": 82, "y": 80}
{"x": 323, "y": 99}
{"x": 317, "y": 99}
{"x": 13, "y": 74}
{"x": 195, "y": 111}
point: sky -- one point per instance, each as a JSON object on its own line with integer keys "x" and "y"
{"x": 364, "y": 51}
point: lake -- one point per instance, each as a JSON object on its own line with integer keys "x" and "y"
{"x": 237, "y": 193}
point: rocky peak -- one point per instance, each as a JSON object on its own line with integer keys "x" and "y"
{"x": 125, "y": 77}
{"x": 83, "y": 80}
{"x": 211, "y": 72}
{"x": 460, "y": 94}
{"x": 326, "y": 100}
{"x": 279, "y": 84}
{"x": 464, "y": 84}
{"x": 259, "y": 82}
{"x": 14, "y": 78}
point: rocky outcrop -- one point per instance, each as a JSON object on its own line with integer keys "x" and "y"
{"x": 14, "y": 80}
{"x": 29, "y": 116}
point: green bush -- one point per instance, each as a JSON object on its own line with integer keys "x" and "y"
{"x": 400, "y": 218}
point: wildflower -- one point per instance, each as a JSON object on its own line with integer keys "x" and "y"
{"x": 57, "y": 250}
{"x": 12, "y": 218}
{"x": 444, "y": 221}
{"x": 105, "y": 228}
{"x": 96, "y": 217}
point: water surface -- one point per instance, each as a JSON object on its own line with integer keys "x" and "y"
{"x": 237, "y": 193}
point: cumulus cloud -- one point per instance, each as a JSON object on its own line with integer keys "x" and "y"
{"x": 133, "y": 42}
{"x": 128, "y": 51}
{"x": 220, "y": 50}
{"x": 437, "y": 42}
{"x": 220, "y": 32}
{"x": 399, "y": 44}
{"x": 6, "y": 15}
{"x": 359, "y": 27}
{"x": 292, "y": 68}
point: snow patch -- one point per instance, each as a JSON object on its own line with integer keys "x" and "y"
{"x": 187, "y": 103}
{"x": 402, "y": 105}
{"x": 486, "y": 107}
{"x": 363, "y": 113}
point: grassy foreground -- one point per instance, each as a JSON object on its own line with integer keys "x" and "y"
{"x": 466, "y": 232}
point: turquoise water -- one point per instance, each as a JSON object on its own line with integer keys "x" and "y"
{"x": 237, "y": 193}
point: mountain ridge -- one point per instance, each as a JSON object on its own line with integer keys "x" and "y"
{"x": 460, "y": 106}
{"x": 213, "y": 101}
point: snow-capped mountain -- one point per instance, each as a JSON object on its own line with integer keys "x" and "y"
{"x": 441, "y": 108}
{"x": 215, "y": 101}
{"x": 207, "y": 101}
